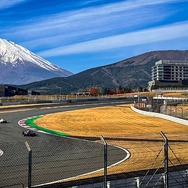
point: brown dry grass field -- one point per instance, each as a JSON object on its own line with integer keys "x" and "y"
{"x": 129, "y": 128}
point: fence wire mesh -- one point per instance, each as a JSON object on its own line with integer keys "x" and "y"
{"x": 60, "y": 160}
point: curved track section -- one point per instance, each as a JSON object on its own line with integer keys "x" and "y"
{"x": 53, "y": 158}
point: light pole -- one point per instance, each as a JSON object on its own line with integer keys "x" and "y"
{"x": 59, "y": 89}
{"x": 138, "y": 98}
{"x": 59, "y": 92}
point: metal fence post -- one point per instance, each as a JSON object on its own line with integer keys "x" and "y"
{"x": 105, "y": 162}
{"x": 166, "y": 182}
{"x": 29, "y": 164}
{"x": 181, "y": 112}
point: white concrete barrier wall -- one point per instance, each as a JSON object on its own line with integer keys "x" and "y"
{"x": 163, "y": 116}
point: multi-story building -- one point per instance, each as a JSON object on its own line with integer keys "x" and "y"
{"x": 169, "y": 73}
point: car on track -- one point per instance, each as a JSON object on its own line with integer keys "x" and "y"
{"x": 29, "y": 133}
{"x": 2, "y": 120}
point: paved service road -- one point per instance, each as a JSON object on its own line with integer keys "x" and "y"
{"x": 53, "y": 158}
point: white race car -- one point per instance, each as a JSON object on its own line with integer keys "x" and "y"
{"x": 3, "y": 120}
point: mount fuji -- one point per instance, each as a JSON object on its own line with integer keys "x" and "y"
{"x": 20, "y": 66}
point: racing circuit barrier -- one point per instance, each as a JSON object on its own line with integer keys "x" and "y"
{"x": 47, "y": 164}
{"x": 175, "y": 108}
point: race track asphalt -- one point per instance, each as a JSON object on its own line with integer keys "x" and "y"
{"x": 53, "y": 158}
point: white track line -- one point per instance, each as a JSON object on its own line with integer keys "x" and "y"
{"x": 1, "y": 152}
{"x": 59, "y": 181}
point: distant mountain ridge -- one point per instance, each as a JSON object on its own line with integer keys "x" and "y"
{"x": 132, "y": 72}
{"x": 20, "y": 66}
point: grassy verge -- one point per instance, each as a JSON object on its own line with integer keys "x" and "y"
{"x": 30, "y": 122}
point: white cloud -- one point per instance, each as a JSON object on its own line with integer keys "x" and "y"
{"x": 62, "y": 21}
{"x": 78, "y": 31}
{"x": 158, "y": 34}
{"x": 86, "y": 24}
{"x": 128, "y": 5}
{"x": 9, "y": 3}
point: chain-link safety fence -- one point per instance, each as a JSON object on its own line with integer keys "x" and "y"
{"x": 175, "y": 109}
{"x": 59, "y": 162}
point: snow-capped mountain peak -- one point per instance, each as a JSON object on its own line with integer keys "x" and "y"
{"x": 13, "y": 53}
{"x": 21, "y": 59}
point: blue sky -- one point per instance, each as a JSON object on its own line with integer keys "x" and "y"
{"x": 81, "y": 34}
